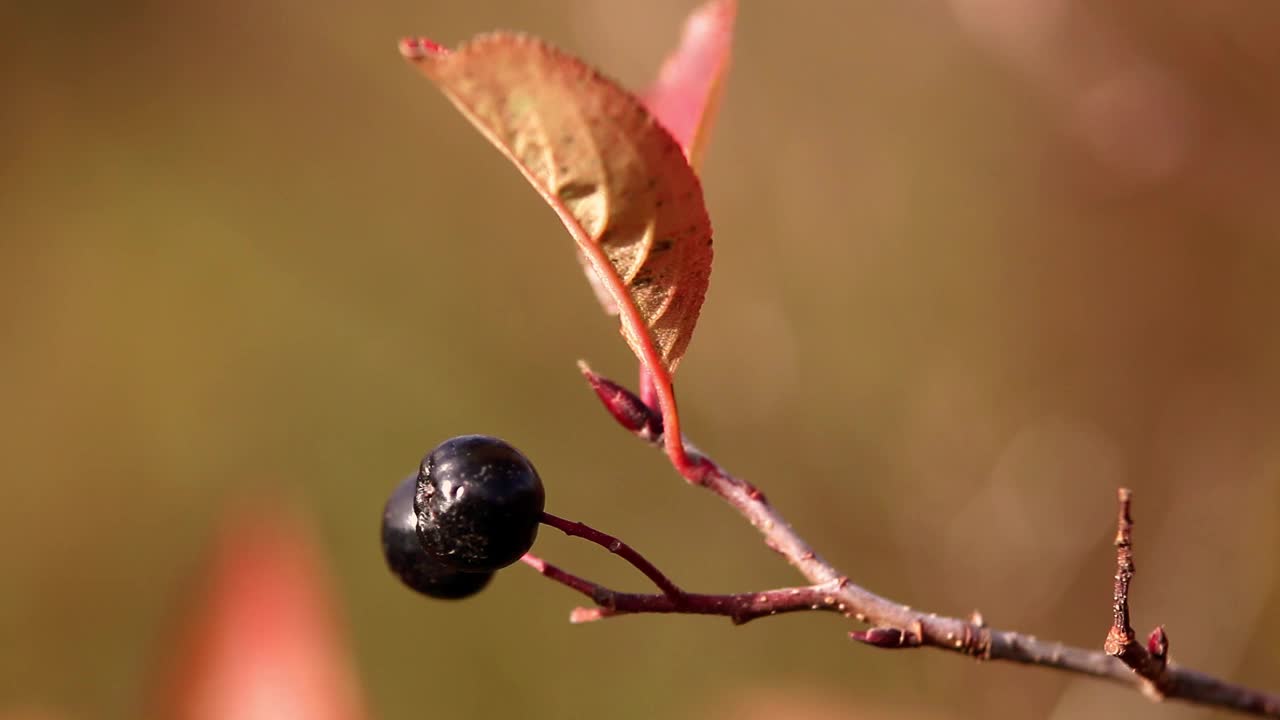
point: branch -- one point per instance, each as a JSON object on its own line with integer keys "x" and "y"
{"x": 899, "y": 626}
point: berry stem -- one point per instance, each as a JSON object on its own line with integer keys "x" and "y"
{"x": 738, "y": 607}
{"x": 617, "y": 547}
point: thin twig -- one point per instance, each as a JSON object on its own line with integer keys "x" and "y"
{"x": 617, "y": 547}
{"x": 1150, "y": 662}
{"x": 1120, "y": 637}
{"x": 740, "y": 607}
{"x": 914, "y": 628}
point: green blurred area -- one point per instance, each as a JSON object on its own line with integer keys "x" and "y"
{"x": 964, "y": 288}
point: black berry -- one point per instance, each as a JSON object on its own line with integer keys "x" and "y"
{"x": 407, "y": 558}
{"x": 479, "y": 502}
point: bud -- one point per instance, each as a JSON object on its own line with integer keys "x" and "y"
{"x": 628, "y": 409}
{"x": 1158, "y": 643}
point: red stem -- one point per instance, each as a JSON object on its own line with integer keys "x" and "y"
{"x": 617, "y": 547}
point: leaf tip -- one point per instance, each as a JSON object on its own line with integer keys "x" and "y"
{"x": 715, "y": 14}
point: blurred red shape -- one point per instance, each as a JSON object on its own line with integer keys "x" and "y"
{"x": 686, "y": 94}
{"x": 262, "y": 639}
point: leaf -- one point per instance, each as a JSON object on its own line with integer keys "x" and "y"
{"x": 687, "y": 93}
{"x": 617, "y": 178}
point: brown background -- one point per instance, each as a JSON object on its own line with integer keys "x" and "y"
{"x": 978, "y": 263}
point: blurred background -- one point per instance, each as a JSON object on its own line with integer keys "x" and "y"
{"x": 978, "y": 263}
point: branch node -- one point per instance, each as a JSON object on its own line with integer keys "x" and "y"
{"x": 977, "y": 641}
{"x": 698, "y": 467}
{"x": 604, "y": 597}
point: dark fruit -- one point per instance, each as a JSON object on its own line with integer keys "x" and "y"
{"x": 407, "y": 559}
{"x": 479, "y": 502}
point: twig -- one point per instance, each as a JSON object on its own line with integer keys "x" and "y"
{"x": 617, "y": 547}
{"x": 740, "y": 607}
{"x": 1151, "y": 662}
{"x": 901, "y": 626}
{"x": 1120, "y": 638}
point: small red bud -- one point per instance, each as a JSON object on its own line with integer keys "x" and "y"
{"x": 628, "y": 409}
{"x": 1158, "y": 643}
{"x": 886, "y": 637}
